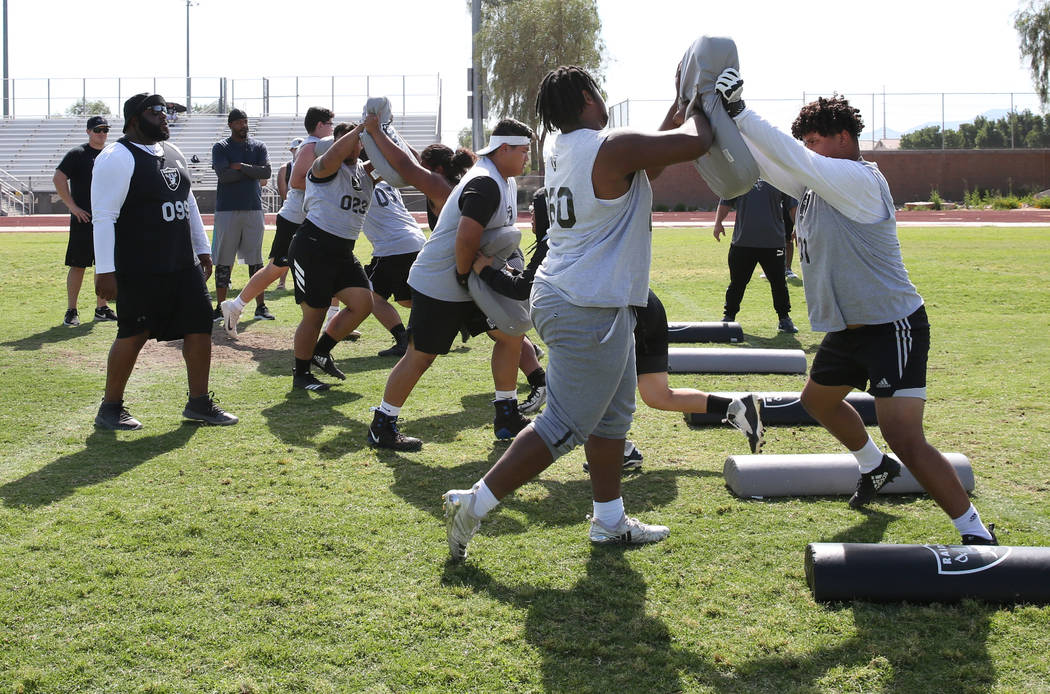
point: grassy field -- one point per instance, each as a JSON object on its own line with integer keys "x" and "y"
{"x": 284, "y": 555}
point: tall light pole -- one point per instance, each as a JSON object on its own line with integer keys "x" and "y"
{"x": 7, "y": 106}
{"x": 478, "y": 126}
{"x": 189, "y": 98}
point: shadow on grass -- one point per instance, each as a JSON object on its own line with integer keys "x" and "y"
{"x": 300, "y": 420}
{"x": 103, "y": 458}
{"x": 59, "y": 333}
{"x": 595, "y": 636}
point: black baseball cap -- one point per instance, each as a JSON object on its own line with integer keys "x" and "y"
{"x": 97, "y": 122}
{"x": 236, "y": 114}
{"x": 139, "y": 103}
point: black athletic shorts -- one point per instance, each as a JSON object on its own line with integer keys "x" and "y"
{"x": 281, "y": 240}
{"x": 650, "y": 337}
{"x": 389, "y": 275}
{"x": 80, "y": 250}
{"x": 169, "y": 305}
{"x": 323, "y": 265}
{"x": 890, "y": 356}
{"x": 433, "y": 324}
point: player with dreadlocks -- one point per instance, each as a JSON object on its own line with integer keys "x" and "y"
{"x": 859, "y": 293}
{"x": 583, "y": 298}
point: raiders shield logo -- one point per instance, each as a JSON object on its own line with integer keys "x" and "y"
{"x": 967, "y": 559}
{"x": 172, "y": 177}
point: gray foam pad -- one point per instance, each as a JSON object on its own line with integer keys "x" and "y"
{"x": 509, "y": 315}
{"x": 837, "y": 571}
{"x": 785, "y": 407}
{"x": 704, "y": 332}
{"x": 730, "y": 360}
{"x": 818, "y": 474}
{"x": 381, "y": 107}
{"x": 728, "y": 167}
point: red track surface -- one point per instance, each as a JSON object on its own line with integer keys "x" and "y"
{"x": 1029, "y": 215}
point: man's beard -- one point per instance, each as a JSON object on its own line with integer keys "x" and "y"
{"x": 153, "y": 131}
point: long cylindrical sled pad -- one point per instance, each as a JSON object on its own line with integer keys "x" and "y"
{"x": 735, "y": 360}
{"x": 818, "y": 474}
{"x": 705, "y": 332}
{"x": 927, "y": 573}
{"x": 785, "y": 407}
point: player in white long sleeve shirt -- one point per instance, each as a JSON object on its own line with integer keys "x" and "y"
{"x": 152, "y": 251}
{"x": 858, "y": 291}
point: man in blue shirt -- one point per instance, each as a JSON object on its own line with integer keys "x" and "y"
{"x": 243, "y": 166}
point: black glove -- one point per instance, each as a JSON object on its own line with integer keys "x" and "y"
{"x": 462, "y": 279}
{"x": 729, "y": 86}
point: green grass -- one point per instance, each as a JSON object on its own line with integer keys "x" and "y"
{"x": 283, "y": 555}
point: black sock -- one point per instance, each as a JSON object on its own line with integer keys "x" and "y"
{"x": 399, "y": 333}
{"x": 717, "y": 405}
{"x": 537, "y": 378}
{"x": 325, "y": 344}
{"x": 302, "y": 367}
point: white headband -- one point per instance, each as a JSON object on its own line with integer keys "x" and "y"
{"x": 496, "y": 140}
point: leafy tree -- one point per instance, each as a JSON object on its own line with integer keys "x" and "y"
{"x": 1029, "y": 130}
{"x": 210, "y": 107}
{"x": 466, "y": 136}
{"x": 1033, "y": 25}
{"x": 521, "y": 40}
{"x": 88, "y": 108}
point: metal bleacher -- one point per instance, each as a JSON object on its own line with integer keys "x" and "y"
{"x": 31, "y": 148}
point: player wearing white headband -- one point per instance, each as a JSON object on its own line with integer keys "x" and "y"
{"x": 485, "y": 199}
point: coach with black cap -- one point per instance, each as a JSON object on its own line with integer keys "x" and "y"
{"x": 73, "y": 184}
{"x": 151, "y": 250}
{"x": 241, "y": 163}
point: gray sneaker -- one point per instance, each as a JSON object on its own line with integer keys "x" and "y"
{"x": 460, "y": 523}
{"x": 204, "y": 409}
{"x": 745, "y": 414}
{"x": 115, "y": 417}
{"x": 629, "y": 531}
{"x": 534, "y": 401}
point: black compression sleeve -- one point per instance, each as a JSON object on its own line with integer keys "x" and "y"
{"x": 480, "y": 199}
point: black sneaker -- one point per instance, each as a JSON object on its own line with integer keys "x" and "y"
{"x": 308, "y": 381}
{"x": 538, "y": 350}
{"x": 204, "y": 409}
{"x": 115, "y": 417}
{"x": 508, "y": 420}
{"x": 870, "y": 483}
{"x": 354, "y": 336}
{"x": 398, "y": 350}
{"x": 216, "y": 315}
{"x": 746, "y": 415}
{"x": 383, "y": 433}
{"x": 978, "y": 540}
{"x": 632, "y": 458}
{"x": 327, "y": 364}
{"x": 72, "y": 318}
{"x": 104, "y": 313}
{"x": 786, "y": 325}
{"x": 263, "y": 313}
{"x": 726, "y": 318}
{"x": 532, "y": 404}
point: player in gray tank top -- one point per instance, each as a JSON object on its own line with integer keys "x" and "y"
{"x": 858, "y": 290}
{"x": 596, "y": 270}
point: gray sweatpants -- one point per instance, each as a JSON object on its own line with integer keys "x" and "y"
{"x": 590, "y": 372}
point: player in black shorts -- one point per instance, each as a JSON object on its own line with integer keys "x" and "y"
{"x": 150, "y": 247}
{"x": 73, "y": 184}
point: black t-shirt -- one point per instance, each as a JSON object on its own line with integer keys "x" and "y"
{"x": 480, "y": 199}
{"x": 77, "y": 166}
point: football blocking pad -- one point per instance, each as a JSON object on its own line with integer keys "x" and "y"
{"x": 730, "y": 360}
{"x": 785, "y": 407}
{"x": 705, "y": 332}
{"x": 819, "y": 474}
{"x": 927, "y": 573}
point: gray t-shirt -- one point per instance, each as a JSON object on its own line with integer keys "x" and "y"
{"x": 338, "y": 204}
{"x": 759, "y": 217}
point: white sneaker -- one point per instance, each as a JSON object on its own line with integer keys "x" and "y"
{"x": 790, "y": 274}
{"x": 746, "y": 415}
{"x": 230, "y": 317}
{"x": 629, "y": 531}
{"x": 460, "y": 523}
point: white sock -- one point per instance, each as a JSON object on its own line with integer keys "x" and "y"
{"x": 237, "y": 303}
{"x": 970, "y": 523}
{"x": 506, "y": 395}
{"x": 609, "y": 513}
{"x": 868, "y": 457}
{"x": 484, "y": 500}
{"x": 388, "y": 409}
{"x": 332, "y": 310}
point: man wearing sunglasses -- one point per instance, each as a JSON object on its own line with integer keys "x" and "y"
{"x": 151, "y": 249}
{"x": 73, "y": 185}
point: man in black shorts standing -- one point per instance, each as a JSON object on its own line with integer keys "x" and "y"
{"x": 150, "y": 246}
{"x": 73, "y": 185}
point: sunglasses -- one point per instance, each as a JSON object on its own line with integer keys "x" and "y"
{"x": 103, "y": 129}
{"x": 156, "y": 108}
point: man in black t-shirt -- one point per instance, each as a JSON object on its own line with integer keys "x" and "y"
{"x": 73, "y": 185}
